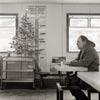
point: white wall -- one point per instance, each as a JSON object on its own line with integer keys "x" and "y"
{"x": 56, "y": 24}
{"x": 57, "y": 34}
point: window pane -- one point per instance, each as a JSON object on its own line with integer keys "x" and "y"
{"x": 7, "y": 21}
{"x": 83, "y": 25}
{"x": 95, "y": 22}
{"x": 93, "y": 34}
{"x": 7, "y": 32}
{"x": 78, "y": 22}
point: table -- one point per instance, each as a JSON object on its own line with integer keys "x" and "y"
{"x": 67, "y": 69}
{"x": 91, "y": 78}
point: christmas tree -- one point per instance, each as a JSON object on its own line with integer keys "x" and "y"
{"x": 24, "y": 42}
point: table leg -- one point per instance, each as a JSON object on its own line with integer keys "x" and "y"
{"x": 59, "y": 73}
{"x": 57, "y": 94}
{"x": 99, "y": 95}
{"x": 89, "y": 95}
{"x": 67, "y": 79}
{"x": 61, "y": 95}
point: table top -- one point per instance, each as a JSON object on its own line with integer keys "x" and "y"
{"x": 91, "y": 78}
{"x": 67, "y": 68}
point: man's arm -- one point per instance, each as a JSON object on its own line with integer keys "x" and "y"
{"x": 86, "y": 61}
{"x": 75, "y": 60}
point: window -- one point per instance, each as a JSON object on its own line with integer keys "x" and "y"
{"x": 83, "y": 24}
{"x": 8, "y": 26}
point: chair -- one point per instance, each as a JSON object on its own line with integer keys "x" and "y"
{"x": 37, "y": 71}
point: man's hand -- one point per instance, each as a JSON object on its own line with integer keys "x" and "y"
{"x": 69, "y": 62}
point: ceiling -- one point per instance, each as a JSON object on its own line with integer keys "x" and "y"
{"x": 50, "y": 1}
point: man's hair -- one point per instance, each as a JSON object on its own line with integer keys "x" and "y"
{"x": 84, "y": 38}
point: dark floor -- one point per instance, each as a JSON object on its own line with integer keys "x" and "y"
{"x": 29, "y": 94}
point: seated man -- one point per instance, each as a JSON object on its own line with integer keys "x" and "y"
{"x": 88, "y": 58}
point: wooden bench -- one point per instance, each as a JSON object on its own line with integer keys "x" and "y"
{"x": 59, "y": 92}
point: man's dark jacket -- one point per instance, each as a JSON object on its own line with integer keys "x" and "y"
{"x": 88, "y": 58}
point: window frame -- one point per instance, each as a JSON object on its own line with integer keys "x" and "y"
{"x": 16, "y": 22}
{"x": 67, "y": 28}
